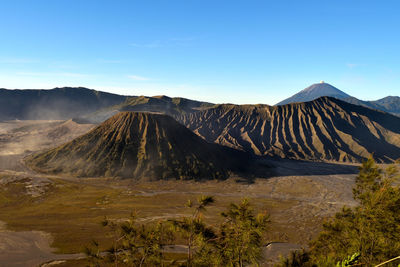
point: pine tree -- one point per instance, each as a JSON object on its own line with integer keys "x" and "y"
{"x": 237, "y": 242}
{"x": 241, "y": 235}
{"x": 371, "y": 229}
{"x": 196, "y": 233}
{"x": 137, "y": 245}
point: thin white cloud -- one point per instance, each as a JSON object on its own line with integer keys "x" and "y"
{"x": 17, "y": 60}
{"x": 351, "y": 65}
{"x": 53, "y": 74}
{"x": 138, "y": 78}
{"x": 183, "y": 39}
{"x": 111, "y": 61}
{"x": 354, "y": 65}
{"x": 171, "y": 42}
{"x": 154, "y": 44}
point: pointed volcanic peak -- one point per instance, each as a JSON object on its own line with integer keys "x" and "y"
{"x": 140, "y": 145}
{"x": 315, "y": 91}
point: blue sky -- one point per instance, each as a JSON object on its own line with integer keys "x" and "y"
{"x": 218, "y": 51}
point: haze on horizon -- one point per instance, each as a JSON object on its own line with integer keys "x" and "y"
{"x": 216, "y": 51}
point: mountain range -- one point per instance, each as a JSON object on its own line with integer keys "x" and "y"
{"x": 337, "y": 127}
{"x": 88, "y": 105}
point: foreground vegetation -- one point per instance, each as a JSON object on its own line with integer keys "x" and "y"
{"x": 71, "y": 211}
{"x": 366, "y": 235}
{"x": 238, "y": 240}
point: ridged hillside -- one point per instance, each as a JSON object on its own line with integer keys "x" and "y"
{"x": 140, "y": 145}
{"x": 323, "y": 129}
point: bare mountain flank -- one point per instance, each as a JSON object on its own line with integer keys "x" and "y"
{"x": 324, "y": 129}
{"x": 140, "y": 145}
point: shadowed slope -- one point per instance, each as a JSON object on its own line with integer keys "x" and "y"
{"x": 323, "y": 129}
{"x": 140, "y": 145}
{"x": 389, "y": 104}
{"x": 57, "y": 103}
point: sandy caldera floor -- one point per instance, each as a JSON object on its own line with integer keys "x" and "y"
{"x": 17, "y": 139}
{"x": 298, "y": 197}
{"x": 27, "y": 248}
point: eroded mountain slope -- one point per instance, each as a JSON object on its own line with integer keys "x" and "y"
{"x": 140, "y": 145}
{"x": 323, "y": 129}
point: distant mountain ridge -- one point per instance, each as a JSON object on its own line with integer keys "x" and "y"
{"x": 84, "y": 105}
{"x": 172, "y": 106}
{"x": 390, "y": 104}
{"x": 57, "y": 103}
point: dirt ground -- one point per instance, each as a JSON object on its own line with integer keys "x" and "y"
{"x": 36, "y": 208}
{"x": 27, "y": 248}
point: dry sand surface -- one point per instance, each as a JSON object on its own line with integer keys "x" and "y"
{"x": 313, "y": 190}
{"x": 27, "y": 248}
{"x": 21, "y": 137}
{"x": 17, "y": 139}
